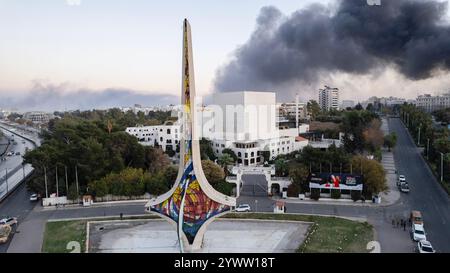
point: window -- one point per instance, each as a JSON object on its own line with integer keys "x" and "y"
{"x": 239, "y": 154}
{"x": 246, "y": 155}
{"x": 168, "y": 131}
{"x": 168, "y": 141}
{"x": 252, "y": 154}
{"x": 161, "y": 139}
{"x": 223, "y": 145}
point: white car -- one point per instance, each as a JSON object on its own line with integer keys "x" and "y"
{"x": 9, "y": 221}
{"x": 401, "y": 178}
{"x": 418, "y": 233}
{"x": 243, "y": 208}
{"x": 425, "y": 247}
{"x": 34, "y": 197}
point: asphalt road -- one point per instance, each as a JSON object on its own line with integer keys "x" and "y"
{"x": 426, "y": 194}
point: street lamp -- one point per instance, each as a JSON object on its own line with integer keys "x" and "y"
{"x": 256, "y": 205}
{"x": 428, "y": 148}
{"x": 442, "y": 166}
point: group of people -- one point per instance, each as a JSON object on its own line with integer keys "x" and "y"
{"x": 399, "y": 223}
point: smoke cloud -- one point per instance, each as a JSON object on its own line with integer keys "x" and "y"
{"x": 409, "y": 36}
{"x": 51, "y": 97}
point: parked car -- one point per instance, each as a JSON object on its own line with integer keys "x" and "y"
{"x": 416, "y": 217}
{"x": 34, "y": 197}
{"x": 425, "y": 247}
{"x": 401, "y": 178}
{"x": 9, "y": 221}
{"x": 17, "y": 153}
{"x": 243, "y": 208}
{"x": 404, "y": 187}
{"x": 418, "y": 232}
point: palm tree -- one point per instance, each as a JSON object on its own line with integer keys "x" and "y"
{"x": 225, "y": 160}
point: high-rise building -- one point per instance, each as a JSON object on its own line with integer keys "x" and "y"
{"x": 329, "y": 98}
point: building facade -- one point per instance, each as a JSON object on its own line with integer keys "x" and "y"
{"x": 38, "y": 117}
{"x": 431, "y": 103}
{"x": 329, "y": 98}
{"x": 166, "y": 136}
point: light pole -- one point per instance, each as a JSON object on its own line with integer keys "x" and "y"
{"x": 6, "y": 180}
{"x": 76, "y": 180}
{"x": 67, "y": 183}
{"x": 442, "y": 166}
{"x": 45, "y": 180}
{"x": 23, "y": 170}
{"x": 418, "y": 137}
{"x": 57, "y": 185}
{"x": 428, "y": 148}
{"x": 256, "y": 205}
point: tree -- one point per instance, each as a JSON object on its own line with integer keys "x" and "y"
{"x": 206, "y": 150}
{"x": 213, "y": 172}
{"x": 298, "y": 173}
{"x": 231, "y": 153}
{"x": 313, "y": 109}
{"x": 373, "y": 172}
{"x": 390, "y": 141}
{"x": 155, "y": 159}
{"x": 373, "y": 136}
{"x": 225, "y": 160}
{"x": 281, "y": 167}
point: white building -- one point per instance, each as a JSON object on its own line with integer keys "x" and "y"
{"x": 288, "y": 110}
{"x": 38, "y": 117}
{"x": 244, "y": 122}
{"x": 166, "y": 136}
{"x": 431, "y": 103}
{"x": 329, "y": 98}
{"x": 247, "y": 125}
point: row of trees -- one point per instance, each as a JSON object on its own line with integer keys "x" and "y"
{"x": 434, "y": 139}
{"x": 90, "y": 148}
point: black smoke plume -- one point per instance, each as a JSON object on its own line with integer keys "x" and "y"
{"x": 411, "y": 36}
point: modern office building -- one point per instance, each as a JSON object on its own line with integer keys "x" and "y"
{"x": 329, "y": 98}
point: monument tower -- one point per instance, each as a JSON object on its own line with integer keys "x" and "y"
{"x": 192, "y": 203}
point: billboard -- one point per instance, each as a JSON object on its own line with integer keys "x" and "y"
{"x": 336, "y": 181}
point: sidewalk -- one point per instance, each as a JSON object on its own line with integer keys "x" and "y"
{"x": 94, "y": 205}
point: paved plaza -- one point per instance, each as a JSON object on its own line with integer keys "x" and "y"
{"x": 222, "y": 235}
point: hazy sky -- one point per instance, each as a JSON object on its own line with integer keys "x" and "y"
{"x": 54, "y": 46}
{"x": 135, "y": 44}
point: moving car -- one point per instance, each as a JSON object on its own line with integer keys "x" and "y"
{"x": 416, "y": 217}
{"x": 34, "y": 197}
{"x": 418, "y": 232}
{"x": 8, "y": 221}
{"x": 404, "y": 187}
{"x": 243, "y": 208}
{"x": 425, "y": 247}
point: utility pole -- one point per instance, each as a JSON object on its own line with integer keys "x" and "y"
{"x": 418, "y": 138}
{"x": 76, "y": 180}
{"x": 6, "y": 180}
{"x": 57, "y": 185}
{"x": 67, "y": 183}
{"x": 45, "y": 180}
{"x": 296, "y": 112}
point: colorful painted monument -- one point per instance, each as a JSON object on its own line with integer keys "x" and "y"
{"x": 192, "y": 203}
